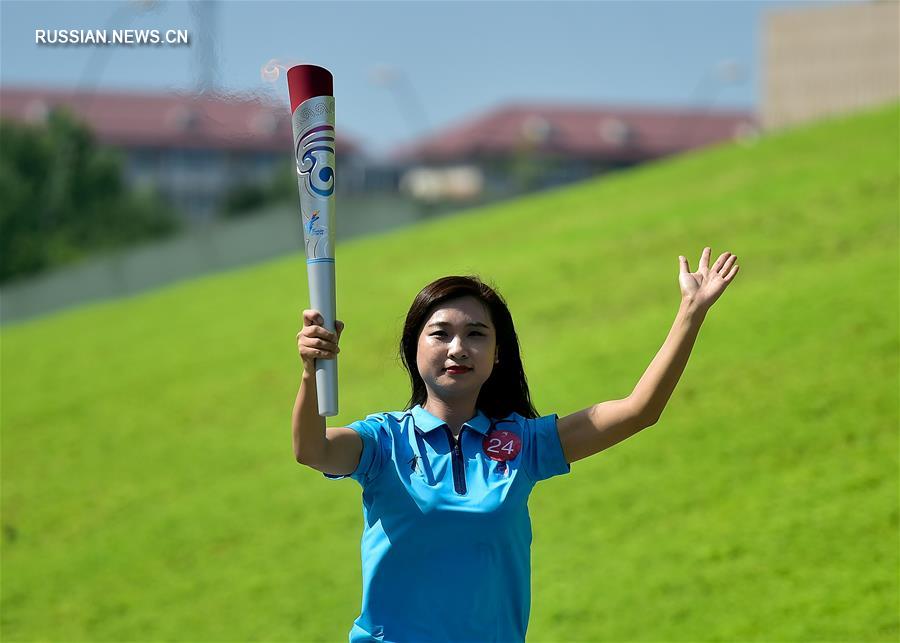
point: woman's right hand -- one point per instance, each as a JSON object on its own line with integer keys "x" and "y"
{"x": 314, "y": 341}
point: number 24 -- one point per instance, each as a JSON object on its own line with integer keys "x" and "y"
{"x": 495, "y": 446}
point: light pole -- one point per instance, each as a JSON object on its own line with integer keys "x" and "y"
{"x": 408, "y": 101}
{"x": 725, "y": 72}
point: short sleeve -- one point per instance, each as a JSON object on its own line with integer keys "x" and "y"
{"x": 371, "y": 459}
{"x": 544, "y": 457}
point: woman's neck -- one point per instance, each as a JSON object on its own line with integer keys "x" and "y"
{"x": 454, "y": 415}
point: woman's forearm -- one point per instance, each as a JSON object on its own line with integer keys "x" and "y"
{"x": 308, "y": 426}
{"x": 652, "y": 392}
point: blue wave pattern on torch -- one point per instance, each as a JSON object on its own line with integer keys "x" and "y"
{"x": 319, "y": 183}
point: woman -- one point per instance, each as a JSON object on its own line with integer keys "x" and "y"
{"x": 447, "y": 535}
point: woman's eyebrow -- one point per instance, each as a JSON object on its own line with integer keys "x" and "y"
{"x": 443, "y": 323}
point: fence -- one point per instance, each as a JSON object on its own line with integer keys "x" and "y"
{"x": 210, "y": 248}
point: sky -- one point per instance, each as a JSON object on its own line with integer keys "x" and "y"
{"x": 440, "y": 63}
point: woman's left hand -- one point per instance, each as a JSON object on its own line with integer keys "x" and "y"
{"x": 706, "y": 285}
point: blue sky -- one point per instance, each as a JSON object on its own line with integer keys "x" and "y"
{"x": 452, "y": 60}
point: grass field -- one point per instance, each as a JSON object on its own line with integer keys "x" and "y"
{"x": 149, "y": 490}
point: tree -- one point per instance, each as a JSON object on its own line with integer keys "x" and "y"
{"x": 248, "y": 199}
{"x": 64, "y": 198}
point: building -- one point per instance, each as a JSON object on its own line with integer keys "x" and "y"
{"x": 197, "y": 148}
{"x": 828, "y": 60}
{"x": 193, "y": 148}
{"x": 519, "y": 148}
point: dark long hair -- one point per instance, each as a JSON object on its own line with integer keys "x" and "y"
{"x": 506, "y": 390}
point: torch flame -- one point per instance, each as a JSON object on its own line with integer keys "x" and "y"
{"x": 271, "y": 71}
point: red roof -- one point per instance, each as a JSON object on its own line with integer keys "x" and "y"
{"x": 135, "y": 119}
{"x": 588, "y": 132}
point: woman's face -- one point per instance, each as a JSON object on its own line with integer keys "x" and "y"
{"x": 459, "y": 333}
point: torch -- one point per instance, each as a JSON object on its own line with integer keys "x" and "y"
{"x": 312, "y": 119}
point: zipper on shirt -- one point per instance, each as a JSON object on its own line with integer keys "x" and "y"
{"x": 459, "y": 470}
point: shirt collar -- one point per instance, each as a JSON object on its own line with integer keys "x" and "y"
{"x": 426, "y": 422}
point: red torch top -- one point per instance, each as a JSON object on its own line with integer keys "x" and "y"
{"x": 306, "y": 81}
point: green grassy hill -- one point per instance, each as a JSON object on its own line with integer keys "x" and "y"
{"x": 149, "y": 487}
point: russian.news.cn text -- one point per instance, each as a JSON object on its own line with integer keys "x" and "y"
{"x": 111, "y": 37}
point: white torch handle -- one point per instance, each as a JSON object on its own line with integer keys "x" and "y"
{"x": 322, "y": 298}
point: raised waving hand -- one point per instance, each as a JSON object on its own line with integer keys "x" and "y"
{"x": 706, "y": 285}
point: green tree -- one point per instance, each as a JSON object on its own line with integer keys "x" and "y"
{"x": 64, "y": 198}
{"x": 248, "y": 199}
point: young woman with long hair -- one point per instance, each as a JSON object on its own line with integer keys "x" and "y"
{"x": 446, "y": 542}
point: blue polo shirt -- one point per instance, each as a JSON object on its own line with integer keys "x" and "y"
{"x": 446, "y": 542}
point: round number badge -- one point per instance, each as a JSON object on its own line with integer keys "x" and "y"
{"x": 502, "y": 446}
